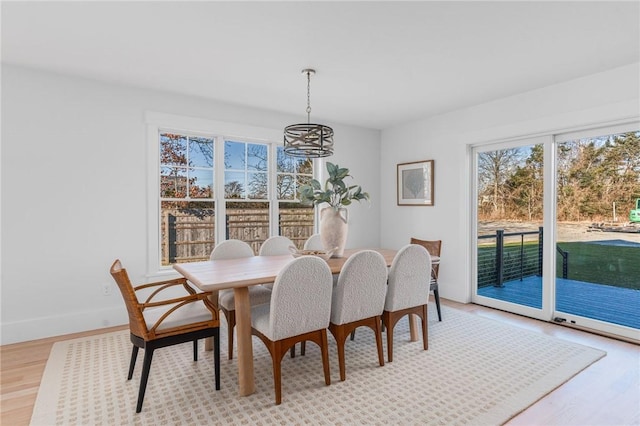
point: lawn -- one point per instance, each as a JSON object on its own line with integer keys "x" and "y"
{"x": 603, "y": 264}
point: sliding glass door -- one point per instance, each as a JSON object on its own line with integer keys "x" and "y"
{"x": 509, "y": 235}
{"x": 556, "y": 232}
{"x": 598, "y": 235}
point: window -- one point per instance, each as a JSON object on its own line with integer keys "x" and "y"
{"x": 296, "y": 221}
{"x": 187, "y": 207}
{"x": 206, "y": 187}
{"x": 246, "y": 180}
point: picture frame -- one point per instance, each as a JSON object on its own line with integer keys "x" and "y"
{"x": 415, "y": 183}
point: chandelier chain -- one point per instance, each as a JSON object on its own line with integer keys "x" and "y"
{"x": 308, "y": 96}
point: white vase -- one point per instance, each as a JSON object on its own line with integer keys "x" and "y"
{"x": 334, "y": 227}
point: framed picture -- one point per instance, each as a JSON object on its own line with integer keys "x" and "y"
{"x": 415, "y": 183}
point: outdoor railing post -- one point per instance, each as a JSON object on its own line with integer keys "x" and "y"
{"x": 499, "y": 257}
{"x": 540, "y": 240}
{"x": 172, "y": 235}
{"x": 521, "y": 256}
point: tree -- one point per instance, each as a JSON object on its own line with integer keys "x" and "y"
{"x": 525, "y": 187}
{"x": 494, "y": 168}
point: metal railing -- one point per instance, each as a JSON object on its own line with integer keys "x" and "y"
{"x": 511, "y": 258}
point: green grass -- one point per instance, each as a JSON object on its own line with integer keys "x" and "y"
{"x": 603, "y": 264}
{"x": 588, "y": 262}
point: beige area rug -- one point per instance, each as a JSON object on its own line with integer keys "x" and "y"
{"x": 477, "y": 371}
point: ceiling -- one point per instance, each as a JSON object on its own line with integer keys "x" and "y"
{"x": 379, "y": 64}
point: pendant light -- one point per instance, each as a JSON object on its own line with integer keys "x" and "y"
{"x": 308, "y": 140}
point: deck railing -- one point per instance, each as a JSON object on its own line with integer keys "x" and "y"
{"x": 511, "y": 257}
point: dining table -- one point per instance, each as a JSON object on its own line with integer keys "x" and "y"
{"x": 239, "y": 275}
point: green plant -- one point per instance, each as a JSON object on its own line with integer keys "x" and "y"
{"x": 336, "y": 193}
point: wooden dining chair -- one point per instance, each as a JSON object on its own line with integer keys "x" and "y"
{"x": 433, "y": 247}
{"x": 407, "y": 291}
{"x": 160, "y": 321}
{"x": 236, "y": 249}
{"x": 299, "y": 311}
{"x": 358, "y": 300}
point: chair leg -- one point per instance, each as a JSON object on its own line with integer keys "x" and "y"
{"x": 303, "y": 347}
{"x": 231, "y": 322}
{"x": 132, "y": 364}
{"x": 195, "y": 350}
{"x": 292, "y": 352}
{"x": 378, "y": 332}
{"x": 277, "y": 373}
{"x": 353, "y": 335}
{"x": 436, "y": 296}
{"x": 146, "y": 367}
{"x": 216, "y": 356}
{"x": 389, "y": 321}
{"x": 338, "y": 334}
{"x": 324, "y": 348}
{"x": 425, "y": 341}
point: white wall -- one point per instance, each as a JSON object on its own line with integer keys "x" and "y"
{"x": 599, "y": 98}
{"x": 74, "y": 188}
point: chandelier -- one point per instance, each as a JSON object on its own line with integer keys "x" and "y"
{"x": 308, "y": 140}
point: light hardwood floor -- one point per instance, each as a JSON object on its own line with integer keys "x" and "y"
{"x": 606, "y": 393}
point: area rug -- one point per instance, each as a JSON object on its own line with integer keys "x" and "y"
{"x": 477, "y": 371}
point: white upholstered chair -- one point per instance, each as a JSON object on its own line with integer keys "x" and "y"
{"x": 235, "y": 249}
{"x": 299, "y": 311}
{"x": 276, "y": 246}
{"x": 314, "y": 242}
{"x": 358, "y": 300}
{"x": 407, "y": 291}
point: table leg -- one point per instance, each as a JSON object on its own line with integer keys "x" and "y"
{"x": 413, "y": 327}
{"x": 245, "y": 350}
{"x": 208, "y": 342}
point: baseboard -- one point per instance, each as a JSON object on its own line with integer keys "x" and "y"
{"x": 39, "y": 328}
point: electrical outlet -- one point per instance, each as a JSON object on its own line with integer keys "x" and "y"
{"x": 106, "y": 289}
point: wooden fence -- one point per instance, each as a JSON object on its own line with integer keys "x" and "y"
{"x": 188, "y": 235}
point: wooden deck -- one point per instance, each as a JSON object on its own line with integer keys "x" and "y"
{"x": 596, "y": 301}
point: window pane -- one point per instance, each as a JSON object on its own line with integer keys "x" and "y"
{"x": 248, "y": 222}
{"x": 304, "y": 166}
{"x": 201, "y": 152}
{"x": 173, "y": 182}
{"x": 234, "y": 155}
{"x": 302, "y": 180}
{"x": 246, "y": 174}
{"x": 257, "y": 157}
{"x": 234, "y": 185}
{"x": 200, "y": 183}
{"x": 173, "y": 149}
{"x": 285, "y": 163}
{"x": 187, "y": 231}
{"x": 598, "y": 189}
{"x": 296, "y": 222}
{"x": 510, "y": 216}
{"x": 257, "y": 186}
{"x": 286, "y": 187}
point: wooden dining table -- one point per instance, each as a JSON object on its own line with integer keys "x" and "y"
{"x": 240, "y": 274}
